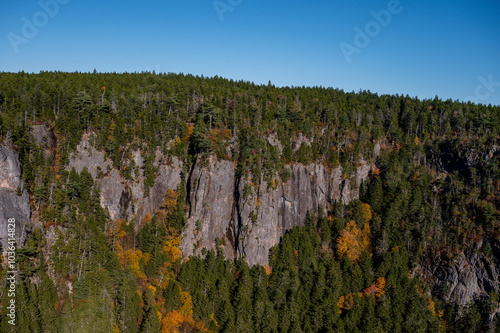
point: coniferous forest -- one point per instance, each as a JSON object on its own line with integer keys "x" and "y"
{"x": 412, "y": 245}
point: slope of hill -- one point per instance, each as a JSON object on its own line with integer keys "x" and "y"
{"x": 148, "y": 203}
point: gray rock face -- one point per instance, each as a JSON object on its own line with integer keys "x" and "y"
{"x": 210, "y": 217}
{"x": 350, "y": 191}
{"x": 44, "y": 136}
{"x": 468, "y": 277}
{"x": 124, "y": 198}
{"x": 253, "y": 218}
{"x": 269, "y": 211}
{"x": 167, "y": 178}
{"x": 248, "y": 219}
{"x": 114, "y": 195}
{"x": 88, "y": 157}
{"x": 13, "y": 205}
{"x": 260, "y": 224}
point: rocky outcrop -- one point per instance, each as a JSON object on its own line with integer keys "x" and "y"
{"x": 211, "y": 192}
{"x": 242, "y": 218}
{"x": 86, "y": 156}
{"x": 271, "y": 209}
{"x": 125, "y": 198}
{"x": 14, "y": 199}
{"x": 114, "y": 194}
{"x": 44, "y": 136}
{"x": 468, "y": 277}
{"x": 251, "y": 218}
{"x": 168, "y": 177}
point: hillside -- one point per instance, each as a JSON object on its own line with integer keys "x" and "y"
{"x": 161, "y": 202}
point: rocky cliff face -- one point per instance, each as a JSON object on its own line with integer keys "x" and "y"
{"x": 468, "y": 277}
{"x": 211, "y": 192}
{"x": 126, "y": 198}
{"x": 14, "y": 199}
{"x": 249, "y": 219}
{"x": 243, "y": 218}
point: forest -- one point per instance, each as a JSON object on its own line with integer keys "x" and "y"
{"x": 423, "y": 225}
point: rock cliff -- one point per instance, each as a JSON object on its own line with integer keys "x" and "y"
{"x": 230, "y": 211}
{"x": 468, "y": 277}
{"x": 211, "y": 193}
{"x": 14, "y": 198}
{"x": 125, "y": 198}
{"x": 249, "y": 219}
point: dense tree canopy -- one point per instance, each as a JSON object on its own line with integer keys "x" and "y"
{"x": 433, "y": 193}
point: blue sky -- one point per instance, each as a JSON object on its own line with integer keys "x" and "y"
{"x": 427, "y": 48}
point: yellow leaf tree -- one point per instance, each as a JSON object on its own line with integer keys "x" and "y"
{"x": 352, "y": 241}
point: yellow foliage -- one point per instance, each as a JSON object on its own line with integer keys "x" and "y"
{"x": 146, "y": 257}
{"x": 432, "y": 307}
{"x": 417, "y": 140}
{"x": 121, "y": 234}
{"x": 171, "y": 248}
{"x": 170, "y": 202}
{"x": 212, "y": 318}
{"x": 365, "y": 238}
{"x": 346, "y": 302}
{"x": 366, "y": 212}
{"x": 116, "y": 329}
{"x": 348, "y": 242}
{"x": 152, "y": 288}
{"x": 340, "y": 303}
{"x": 187, "y": 304}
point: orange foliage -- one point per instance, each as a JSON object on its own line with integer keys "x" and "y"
{"x": 146, "y": 219}
{"x": 352, "y": 242}
{"x": 189, "y": 132}
{"x": 174, "y": 320}
{"x": 380, "y": 284}
{"x": 225, "y": 133}
{"x": 268, "y": 269}
{"x": 376, "y": 171}
{"x": 171, "y": 321}
{"x": 377, "y": 289}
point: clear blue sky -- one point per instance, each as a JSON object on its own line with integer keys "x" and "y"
{"x": 445, "y": 48}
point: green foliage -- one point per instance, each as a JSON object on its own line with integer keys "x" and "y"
{"x": 433, "y": 194}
